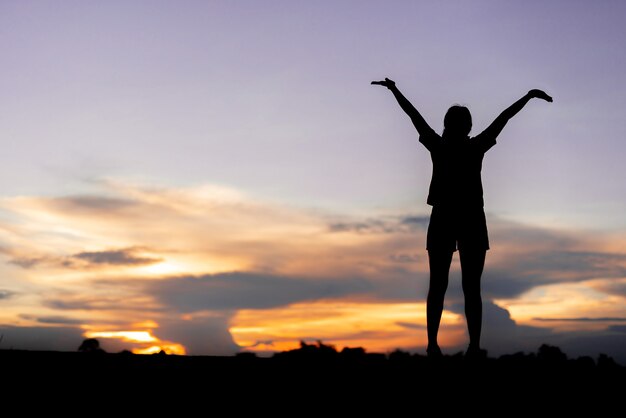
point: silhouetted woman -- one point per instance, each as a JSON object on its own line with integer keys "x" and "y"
{"x": 458, "y": 218}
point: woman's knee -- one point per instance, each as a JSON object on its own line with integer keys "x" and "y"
{"x": 471, "y": 291}
{"x": 438, "y": 288}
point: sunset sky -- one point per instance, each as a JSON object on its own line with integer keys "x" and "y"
{"x": 207, "y": 177}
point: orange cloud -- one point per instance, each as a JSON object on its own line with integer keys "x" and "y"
{"x": 379, "y": 327}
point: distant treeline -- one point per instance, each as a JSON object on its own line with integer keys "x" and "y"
{"x": 319, "y": 374}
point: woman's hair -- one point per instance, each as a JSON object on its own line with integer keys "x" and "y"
{"x": 458, "y": 121}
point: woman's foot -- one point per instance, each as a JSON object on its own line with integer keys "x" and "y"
{"x": 474, "y": 352}
{"x": 434, "y": 351}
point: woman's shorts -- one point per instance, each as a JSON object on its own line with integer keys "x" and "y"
{"x": 452, "y": 228}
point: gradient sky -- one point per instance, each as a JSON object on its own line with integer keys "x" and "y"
{"x": 211, "y": 176}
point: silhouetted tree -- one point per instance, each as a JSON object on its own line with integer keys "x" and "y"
{"x": 90, "y": 345}
{"x": 399, "y": 356}
{"x": 355, "y": 353}
{"x": 318, "y": 349}
{"x": 551, "y": 354}
{"x": 585, "y": 362}
{"x": 607, "y": 362}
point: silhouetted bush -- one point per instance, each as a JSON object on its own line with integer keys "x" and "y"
{"x": 606, "y": 362}
{"x": 353, "y": 353}
{"x": 90, "y": 345}
{"x": 551, "y": 354}
{"x": 399, "y": 356}
{"x": 585, "y": 362}
{"x": 318, "y": 352}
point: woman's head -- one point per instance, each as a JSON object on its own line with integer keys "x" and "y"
{"x": 457, "y": 122}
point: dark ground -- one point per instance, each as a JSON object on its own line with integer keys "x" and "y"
{"x": 319, "y": 379}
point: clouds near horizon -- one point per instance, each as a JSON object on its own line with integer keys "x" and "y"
{"x": 198, "y": 258}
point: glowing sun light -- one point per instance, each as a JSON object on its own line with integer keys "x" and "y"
{"x": 130, "y": 336}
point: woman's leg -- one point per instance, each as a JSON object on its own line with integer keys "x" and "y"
{"x": 472, "y": 264}
{"x": 439, "y": 270}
